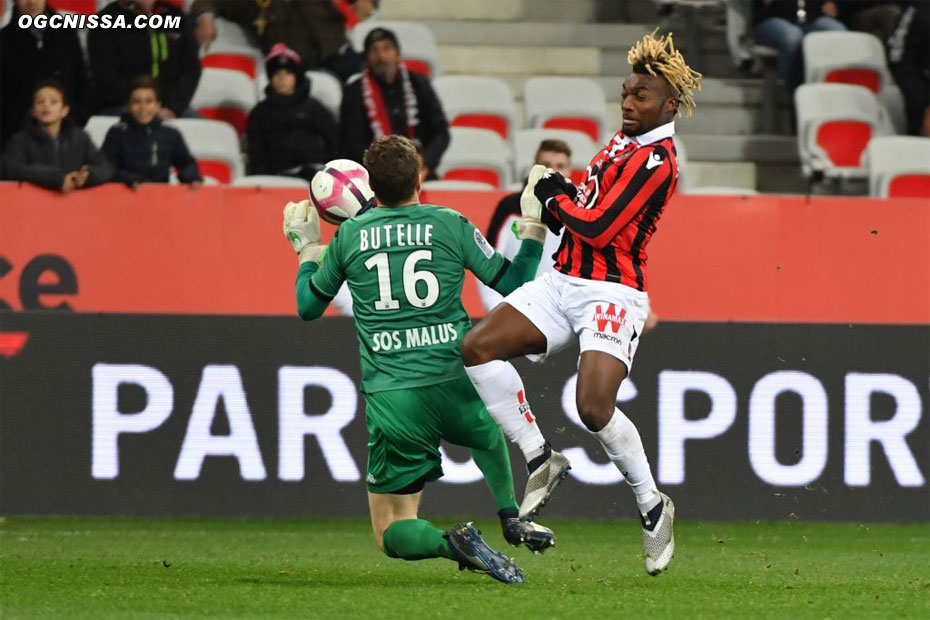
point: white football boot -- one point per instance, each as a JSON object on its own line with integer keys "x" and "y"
{"x": 541, "y": 483}
{"x": 659, "y": 537}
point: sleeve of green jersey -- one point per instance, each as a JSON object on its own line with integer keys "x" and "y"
{"x": 492, "y": 268}
{"x": 318, "y": 284}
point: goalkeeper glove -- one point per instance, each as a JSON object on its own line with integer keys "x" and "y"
{"x": 531, "y": 226}
{"x": 302, "y": 229}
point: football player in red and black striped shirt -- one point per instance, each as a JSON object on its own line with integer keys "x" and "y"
{"x": 597, "y": 295}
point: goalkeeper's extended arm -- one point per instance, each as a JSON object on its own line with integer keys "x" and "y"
{"x": 533, "y": 234}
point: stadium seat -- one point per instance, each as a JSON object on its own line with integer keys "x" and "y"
{"x": 243, "y": 60}
{"x": 845, "y": 58}
{"x": 476, "y": 155}
{"x": 417, "y": 44}
{"x": 450, "y": 185}
{"x": 477, "y": 101}
{"x": 225, "y": 95}
{"x": 230, "y": 33}
{"x": 835, "y": 123}
{"x": 270, "y": 180}
{"x": 85, "y": 7}
{"x": 526, "y": 143}
{"x": 899, "y": 167}
{"x": 98, "y": 126}
{"x": 574, "y": 103}
{"x": 214, "y": 144}
{"x": 326, "y": 87}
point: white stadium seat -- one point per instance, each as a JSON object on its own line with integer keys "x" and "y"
{"x": 326, "y": 87}
{"x": 574, "y": 103}
{"x": 98, "y": 126}
{"x": 899, "y": 166}
{"x": 270, "y": 180}
{"x": 242, "y": 58}
{"x": 477, "y": 101}
{"x": 225, "y": 95}
{"x": 476, "y": 155}
{"x": 835, "y": 123}
{"x": 854, "y": 58}
{"x": 526, "y": 143}
{"x": 417, "y": 44}
{"x": 214, "y": 144}
{"x": 230, "y": 33}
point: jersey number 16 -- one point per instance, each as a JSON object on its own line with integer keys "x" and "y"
{"x": 410, "y": 276}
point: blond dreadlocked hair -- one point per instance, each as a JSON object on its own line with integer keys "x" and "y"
{"x": 660, "y": 58}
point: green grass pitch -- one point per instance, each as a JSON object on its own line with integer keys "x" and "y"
{"x": 146, "y": 568}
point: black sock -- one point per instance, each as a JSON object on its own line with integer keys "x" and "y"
{"x": 539, "y": 460}
{"x": 652, "y": 519}
{"x": 508, "y": 513}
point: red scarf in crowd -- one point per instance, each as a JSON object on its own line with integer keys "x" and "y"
{"x": 377, "y": 112}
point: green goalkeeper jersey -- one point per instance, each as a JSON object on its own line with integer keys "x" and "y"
{"x": 405, "y": 267}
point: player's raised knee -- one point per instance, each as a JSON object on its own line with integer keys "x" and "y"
{"x": 477, "y": 349}
{"x": 595, "y": 415}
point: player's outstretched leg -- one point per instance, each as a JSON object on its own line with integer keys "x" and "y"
{"x": 494, "y": 463}
{"x": 599, "y": 378}
{"x": 475, "y": 554}
{"x": 400, "y": 534}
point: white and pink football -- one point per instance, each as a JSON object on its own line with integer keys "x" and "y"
{"x": 340, "y": 190}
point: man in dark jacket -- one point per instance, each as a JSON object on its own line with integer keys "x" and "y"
{"x": 290, "y": 132}
{"x": 389, "y": 99}
{"x": 909, "y": 59}
{"x": 315, "y": 29}
{"x": 28, "y": 55}
{"x": 50, "y": 150}
{"x": 142, "y": 149}
{"x": 119, "y": 55}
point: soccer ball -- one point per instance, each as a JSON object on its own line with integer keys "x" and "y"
{"x": 340, "y": 190}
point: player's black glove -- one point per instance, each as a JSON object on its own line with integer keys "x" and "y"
{"x": 553, "y": 184}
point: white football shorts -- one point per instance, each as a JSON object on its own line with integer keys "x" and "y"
{"x": 603, "y": 316}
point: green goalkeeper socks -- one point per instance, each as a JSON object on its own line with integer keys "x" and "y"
{"x": 415, "y": 539}
{"x": 495, "y": 465}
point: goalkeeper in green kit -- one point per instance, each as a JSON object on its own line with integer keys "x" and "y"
{"x": 405, "y": 264}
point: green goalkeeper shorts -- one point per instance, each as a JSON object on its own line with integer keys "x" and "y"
{"x": 405, "y": 427}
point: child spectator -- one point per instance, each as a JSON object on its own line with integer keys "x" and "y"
{"x": 290, "y": 133}
{"x": 142, "y": 148}
{"x": 50, "y": 150}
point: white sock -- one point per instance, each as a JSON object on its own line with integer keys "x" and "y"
{"x": 500, "y": 387}
{"x": 624, "y": 447}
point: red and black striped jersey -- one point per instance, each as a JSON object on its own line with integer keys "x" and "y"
{"x": 614, "y": 214}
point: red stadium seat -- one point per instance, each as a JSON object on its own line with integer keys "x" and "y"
{"x": 479, "y": 175}
{"x": 844, "y": 141}
{"x": 236, "y": 117}
{"x": 861, "y": 77}
{"x": 419, "y": 66}
{"x": 87, "y": 7}
{"x": 235, "y": 62}
{"x": 910, "y": 186}
{"x": 219, "y": 170}
{"x": 492, "y": 122}
{"x": 585, "y": 125}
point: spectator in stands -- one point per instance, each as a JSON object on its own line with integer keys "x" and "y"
{"x": 356, "y": 11}
{"x": 555, "y": 154}
{"x": 50, "y": 150}
{"x": 30, "y": 55}
{"x": 290, "y": 133}
{"x": 141, "y": 148}
{"x": 315, "y": 29}
{"x": 909, "y": 60}
{"x": 169, "y": 56}
{"x": 782, "y": 24}
{"x": 389, "y": 99}
{"x": 872, "y": 16}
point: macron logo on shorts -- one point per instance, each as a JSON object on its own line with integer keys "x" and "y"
{"x": 609, "y": 316}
